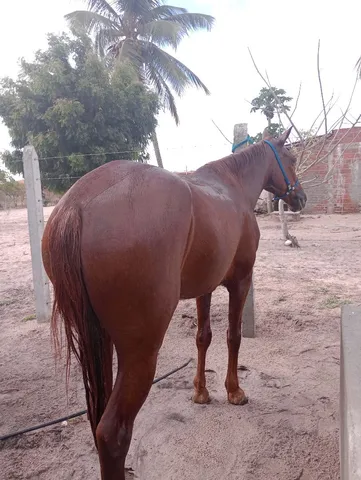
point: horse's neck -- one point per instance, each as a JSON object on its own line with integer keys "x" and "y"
{"x": 251, "y": 174}
{"x": 242, "y": 175}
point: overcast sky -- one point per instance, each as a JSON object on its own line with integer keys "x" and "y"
{"x": 282, "y": 35}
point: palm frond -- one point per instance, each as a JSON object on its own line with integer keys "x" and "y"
{"x": 165, "y": 95}
{"x": 160, "y": 13}
{"x": 163, "y": 33}
{"x": 136, "y": 8}
{"x": 165, "y": 65}
{"x": 102, "y": 7}
{"x": 193, "y": 21}
{"x": 172, "y": 70}
{"x": 90, "y": 21}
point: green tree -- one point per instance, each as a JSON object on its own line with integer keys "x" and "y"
{"x": 71, "y": 108}
{"x": 274, "y": 129}
{"x": 269, "y": 101}
{"x": 136, "y": 31}
{"x": 10, "y": 189}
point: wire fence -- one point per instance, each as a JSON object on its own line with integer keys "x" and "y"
{"x": 134, "y": 150}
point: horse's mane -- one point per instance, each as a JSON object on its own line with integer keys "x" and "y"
{"x": 247, "y": 156}
{"x": 236, "y": 162}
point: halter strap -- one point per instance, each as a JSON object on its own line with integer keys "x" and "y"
{"x": 290, "y": 187}
{"x": 248, "y": 140}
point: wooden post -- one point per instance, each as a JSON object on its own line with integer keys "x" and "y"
{"x": 34, "y": 204}
{"x": 248, "y": 320}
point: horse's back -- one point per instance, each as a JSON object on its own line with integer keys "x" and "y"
{"x": 136, "y": 221}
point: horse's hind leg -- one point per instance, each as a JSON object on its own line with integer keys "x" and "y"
{"x": 204, "y": 338}
{"x": 238, "y": 291}
{"x": 136, "y": 371}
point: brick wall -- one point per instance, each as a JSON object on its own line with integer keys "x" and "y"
{"x": 342, "y": 192}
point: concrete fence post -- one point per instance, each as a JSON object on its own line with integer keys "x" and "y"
{"x": 350, "y": 393}
{"x": 248, "y": 318}
{"x": 34, "y": 202}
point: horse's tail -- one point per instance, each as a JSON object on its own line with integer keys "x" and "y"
{"x": 86, "y": 338}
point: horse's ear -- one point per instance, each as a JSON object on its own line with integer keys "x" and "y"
{"x": 282, "y": 138}
{"x": 266, "y": 135}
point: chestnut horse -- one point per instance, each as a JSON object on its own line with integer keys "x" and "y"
{"x": 126, "y": 243}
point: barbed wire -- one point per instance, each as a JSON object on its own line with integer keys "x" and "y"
{"x": 134, "y": 151}
{"x": 62, "y": 178}
{"x": 62, "y": 157}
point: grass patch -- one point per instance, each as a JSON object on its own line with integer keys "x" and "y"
{"x": 29, "y": 317}
{"x": 320, "y": 290}
{"x": 333, "y": 301}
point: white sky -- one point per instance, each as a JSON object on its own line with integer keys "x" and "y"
{"x": 282, "y": 35}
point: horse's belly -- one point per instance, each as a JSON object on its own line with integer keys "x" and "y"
{"x": 204, "y": 273}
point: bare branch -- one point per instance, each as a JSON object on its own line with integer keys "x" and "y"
{"x": 338, "y": 123}
{"x": 347, "y": 118}
{"x": 342, "y": 119}
{"x": 304, "y": 182}
{"x": 320, "y": 159}
{"x": 353, "y": 118}
{"x": 321, "y": 86}
{"x": 297, "y": 99}
{"x": 220, "y": 131}
{"x": 329, "y": 106}
{"x": 323, "y": 100}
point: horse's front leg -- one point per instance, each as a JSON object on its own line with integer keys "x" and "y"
{"x": 204, "y": 338}
{"x": 238, "y": 291}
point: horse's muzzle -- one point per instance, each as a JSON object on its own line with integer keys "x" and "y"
{"x": 298, "y": 201}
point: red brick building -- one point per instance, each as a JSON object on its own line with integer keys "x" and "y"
{"x": 341, "y": 193}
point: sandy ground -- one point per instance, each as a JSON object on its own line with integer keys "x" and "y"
{"x": 289, "y": 429}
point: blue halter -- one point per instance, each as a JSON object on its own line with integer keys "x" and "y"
{"x": 237, "y": 145}
{"x": 290, "y": 187}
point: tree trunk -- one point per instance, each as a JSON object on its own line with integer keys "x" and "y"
{"x": 283, "y": 219}
{"x": 158, "y": 156}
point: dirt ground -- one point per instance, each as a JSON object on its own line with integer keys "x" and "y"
{"x": 289, "y": 429}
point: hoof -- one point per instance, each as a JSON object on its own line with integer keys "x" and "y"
{"x": 201, "y": 397}
{"x": 237, "y": 398}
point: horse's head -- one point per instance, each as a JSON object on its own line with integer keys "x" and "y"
{"x": 282, "y": 180}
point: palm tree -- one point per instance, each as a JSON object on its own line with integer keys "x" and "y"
{"x": 136, "y": 31}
